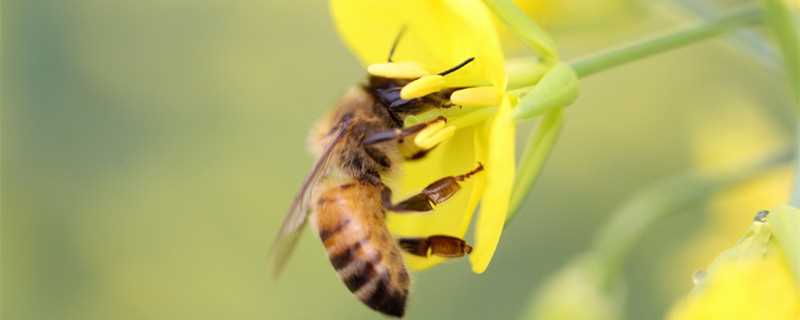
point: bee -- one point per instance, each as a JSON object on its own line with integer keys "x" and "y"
{"x": 346, "y": 201}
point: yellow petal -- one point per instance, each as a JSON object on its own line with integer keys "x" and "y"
{"x": 453, "y": 157}
{"x": 439, "y": 35}
{"x": 397, "y": 70}
{"x": 499, "y": 181}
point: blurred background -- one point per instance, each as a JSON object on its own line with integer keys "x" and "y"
{"x": 150, "y": 149}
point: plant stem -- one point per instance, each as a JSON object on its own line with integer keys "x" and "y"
{"x": 783, "y": 25}
{"x": 658, "y": 44}
{"x": 527, "y": 29}
{"x": 676, "y": 194}
{"x": 540, "y": 143}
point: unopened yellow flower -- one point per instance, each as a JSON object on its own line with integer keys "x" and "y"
{"x": 439, "y": 34}
{"x": 725, "y": 140}
{"x": 752, "y": 280}
{"x": 752, "y": 289}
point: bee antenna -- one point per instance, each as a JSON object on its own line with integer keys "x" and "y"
{"x": 458, "y": 66}
{"x": 396, "y": 42}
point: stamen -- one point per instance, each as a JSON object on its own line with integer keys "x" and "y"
{"x": 437, "y": 134}
{"x": 472, "y": 118}
{"x": 477, "y": 97}
{"x": 397, "y": 70}
{"x": 422, "y": 87}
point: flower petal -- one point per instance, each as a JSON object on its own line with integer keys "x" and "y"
{"x": 453, "y": 157}
{"x": 499, "y": 181}
{"x": 439, "y": 35}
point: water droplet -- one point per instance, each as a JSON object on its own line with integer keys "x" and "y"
{"x": 761, "y": 216}
{"x": 699, "y": 276}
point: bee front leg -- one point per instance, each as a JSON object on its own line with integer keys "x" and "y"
{"x": 437, "y": 245}
{"x": 435, "y": 193}
{"x": 397, "y": 134}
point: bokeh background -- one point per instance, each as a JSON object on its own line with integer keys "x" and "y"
{"x": 150, "y": 149}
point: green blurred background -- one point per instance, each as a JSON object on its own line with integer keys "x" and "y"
{"x": 150, "y": 149}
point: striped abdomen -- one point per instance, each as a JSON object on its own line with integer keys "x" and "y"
{"x": 350, "y": 222}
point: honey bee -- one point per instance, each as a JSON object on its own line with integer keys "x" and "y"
{"x": 345, "y": 199}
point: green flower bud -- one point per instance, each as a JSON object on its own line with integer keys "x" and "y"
{"x": 577, "y": 292}
{"x": 557, "y": 88}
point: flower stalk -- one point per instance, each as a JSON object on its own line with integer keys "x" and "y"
{"x": 546, "y": 88}
{"x": 659, "y": 44}
{"x": 527, "y": 29}
{"x": 784, "y": 27}
{"x": 535, "y": 154}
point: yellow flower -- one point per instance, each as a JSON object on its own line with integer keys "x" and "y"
{"x": 752, "y": 280}
{"x": 439, "y": 34}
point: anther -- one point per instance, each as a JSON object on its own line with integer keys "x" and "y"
{"x": 422, "y": 87}
{"x": 434, "y": 135}
{"x": 397, "y": 70}
{"x": 477, "y": 97}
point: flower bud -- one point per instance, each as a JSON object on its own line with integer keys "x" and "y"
{"x": 558, "y": 88}
{"x": 577, "y": 293}
{"x": 752, "y": 280}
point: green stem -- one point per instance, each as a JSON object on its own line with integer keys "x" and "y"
{"x": 540, "y": 143}
{"x": 787, "y": 35}
{"x": 527, "y": 29}
{"x": 658, "y": 44}
{"x": 783, "y": 25}
{"x": 676, "y": 194}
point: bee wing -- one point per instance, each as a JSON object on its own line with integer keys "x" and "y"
{"x": 295, "y": 219}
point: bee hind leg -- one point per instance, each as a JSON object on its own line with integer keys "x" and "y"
{"x": 436, "y": 245}
{"x": 435, "y": 193}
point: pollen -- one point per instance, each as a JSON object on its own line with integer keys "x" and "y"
{"x": 477, "y": 97}
{"x": 433, "y": 135}
{"x": 422, "y": 87}
{"x": 397, "y": 70}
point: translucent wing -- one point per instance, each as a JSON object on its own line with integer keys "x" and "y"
{"x": 295, "y": 219}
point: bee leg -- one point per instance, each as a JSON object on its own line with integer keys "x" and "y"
{"x": 395, "y": 134}
{"x": 419, "y": 154}
{"x": 435, "y": 193}
{"x": 437, "y": 245}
